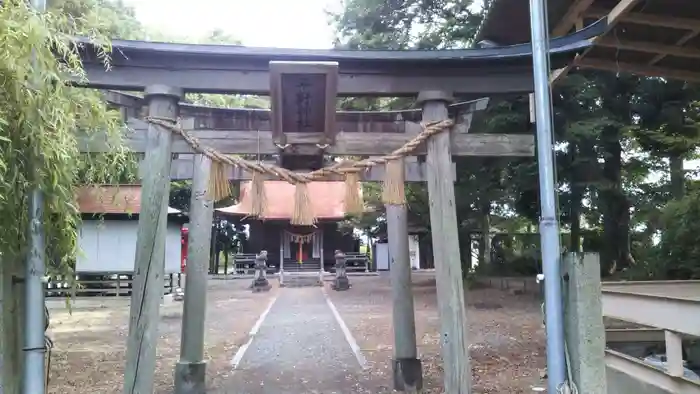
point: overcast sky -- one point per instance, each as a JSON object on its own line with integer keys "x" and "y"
{"x": 266, "y": 23}
{"x": 278, "y": 23}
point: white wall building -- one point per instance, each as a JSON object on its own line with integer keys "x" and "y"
{"x": 107, "y": 236}
{"x": 383, "y": 257}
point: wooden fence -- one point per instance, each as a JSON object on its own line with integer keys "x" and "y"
{"x": 107, "y": 284}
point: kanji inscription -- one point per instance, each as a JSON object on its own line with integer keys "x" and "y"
{"x": 303, "y": 103}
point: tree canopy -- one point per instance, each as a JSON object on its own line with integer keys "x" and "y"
{"x": 621, "y": 145}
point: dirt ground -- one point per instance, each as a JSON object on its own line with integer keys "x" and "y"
{"x": 90, "y": 344}
{"x": 507, "y": 340}
{"x": 505, "y": 332}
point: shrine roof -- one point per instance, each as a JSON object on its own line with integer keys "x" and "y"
{"x": 327, "y": 200}
{"x": 112, "y": 199}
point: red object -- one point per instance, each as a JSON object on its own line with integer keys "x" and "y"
{"x": 302, "y": 254}
{"x": 184, "y": 236}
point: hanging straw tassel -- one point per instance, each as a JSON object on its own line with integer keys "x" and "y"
{"x": 258, "y": 197}
{"x": 219, "y": 188}
{"x": 353, "y": 198}
{"x": 303, "y": 214}
{"x": 393, "y": 192}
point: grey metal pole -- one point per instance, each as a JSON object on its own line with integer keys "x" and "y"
{"x": 33, "y": 374}
{"x": 190, "y": 371}
{"x": 549, "y": 224}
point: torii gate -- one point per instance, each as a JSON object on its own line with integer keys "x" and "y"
{"x": 166, "y": 71}
{"x": 359, "y": 135}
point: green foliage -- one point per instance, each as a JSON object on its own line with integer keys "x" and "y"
{"x": 228, "y": 101}
{"x": 40, "y": 120}
{"x": 679, "y": 248}
{"x": 611, "y": 132}
{"x": 180, "y": 195}
{"x": 668, "y": 115}
{"x": 218, "y": 36}
{"x": 109, "y": 18}
{"x": 402, "y": 24}
{"x": 620, "y": 144}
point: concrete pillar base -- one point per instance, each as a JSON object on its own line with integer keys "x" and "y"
{"x": 408, "y": 375}
{"x": 260, "y": 285}
{"x": 341, "y": 284}
{"x": 190, "y": 377}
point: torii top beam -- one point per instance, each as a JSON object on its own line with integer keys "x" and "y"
{"x": 248, "y": 131}
{"x": 236, "y": 69}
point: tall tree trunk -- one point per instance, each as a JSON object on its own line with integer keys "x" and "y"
{"x": 485, "y": 242}
{"x": 486, "y": 233}
{"x": 482, "y": 251}
{"x": 212, "y": 252}
{"x": 465, "y": 249}
{"x": 575, "y": 213}
{"x": 427, "y": 247}
{"x": 623, "y": 229}
{"x": 608, "y": 260}
{"x": 577, "y": 189}
{"x": 616, "y": 215}
{"x": 677, "y": 176}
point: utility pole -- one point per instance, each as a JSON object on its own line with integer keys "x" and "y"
{"x": 33, "y": 372}
{"x": 549, "y": 224}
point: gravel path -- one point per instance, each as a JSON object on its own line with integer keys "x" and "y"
{"x": 299, "y": 349}
{"x": 91, "y": 342}
{"x": 506, "y": 338}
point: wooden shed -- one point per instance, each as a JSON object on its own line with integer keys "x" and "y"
{"x": 107, "y": 236}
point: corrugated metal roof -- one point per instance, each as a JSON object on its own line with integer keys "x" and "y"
{"x": 507, "y": 22}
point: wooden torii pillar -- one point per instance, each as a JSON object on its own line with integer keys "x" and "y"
{"x": 454, "y": 325}
{"x": 190, "y": 370}
{"x": 150, "y": 245}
